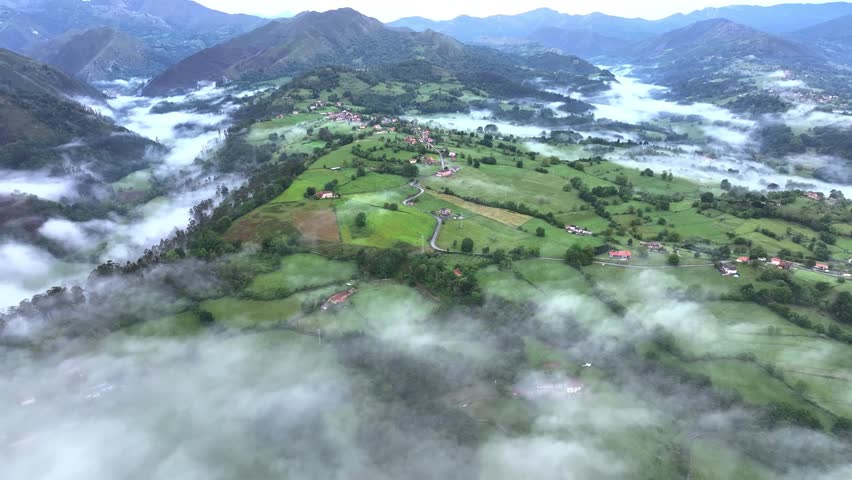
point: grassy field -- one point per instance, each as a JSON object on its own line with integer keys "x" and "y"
{"x": 379, "y": 308}
{"x": 503, "y": 216}
{"x": 711, "y": 460}
{"x": 385, "y": 228}
{"x": 486, "y": 232}
{"x": 499, "y": 183}
{"x": 180, "y": 325}
{"x": 313, "y": 221}
{"x": 300, "y": 272}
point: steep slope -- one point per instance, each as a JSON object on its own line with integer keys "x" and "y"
{"x": 37, "y": 115}
{"x": 833, "y": 38}
{"x": 339, "y": 37}
{"x": 101, "y": 54}
{"x": 720, "y": 39}
{"x": 719, "y": 60}
{"x": 174, "y": 28}
{"x": 17, "y": 30}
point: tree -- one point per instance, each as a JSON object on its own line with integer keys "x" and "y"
{"x": 842, "y": 307}
{"x": 361, "y": 220}
{"x": 707, "y": 197}
{"x": 758, "y": 252}
{"x": 467, "y": 245}
{"x": 673, "y": 260}
{"x": 539, "y": 232}
{"x": 725, "y": 185}
{"x": 310, "y": 192}
{"x": 578, "y": 256}
{"x": 205, "y": 317}
{"x": 519, "y": 164}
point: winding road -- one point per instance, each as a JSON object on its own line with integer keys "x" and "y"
{"x": 408, "y": 203}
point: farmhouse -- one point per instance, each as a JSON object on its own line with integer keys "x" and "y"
{"x": 445, "y": 213}
{"x": 457, "y": 272}
{"x": 577, "y": 230}
{"x": 780, "y": 263}
{"x": 410, "y": 140}
{"x": 447, "y": 173}
{"x": 568, "y": 387}
{"x": 654, "y": 246}
{"x": 325, "y": 195}
{"x": 727, "y": 270}
{"x": 620, "y": 254}
{"x": 821, "y": 267}
{"x": 339, "y": 298}
{"x": 814, "y": 196}
{"x": 742, "y": 260}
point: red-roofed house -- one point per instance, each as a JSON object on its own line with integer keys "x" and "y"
{"x": 742, "y": 260}
{"x": 325, "y": 195}
{"x": 814, "y": 195}
{"x": 339, "y": 298}
{"x": 457, "y": 272}
{"x": 620, "y": 254}
{"x": 821, "y": 267}
{"x": 776, "y": 261}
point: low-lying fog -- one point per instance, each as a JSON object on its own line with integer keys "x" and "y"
{"x": 278, "y": 404}
{"x": 724, "y": 148}
{"x": 187, "y": 134}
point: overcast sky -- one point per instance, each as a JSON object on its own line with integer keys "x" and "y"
{"x": 389, "y": 10}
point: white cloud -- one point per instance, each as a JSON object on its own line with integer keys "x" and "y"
{"x": 36, "y": 183}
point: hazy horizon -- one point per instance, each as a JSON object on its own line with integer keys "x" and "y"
{"x": 446, "y": 9}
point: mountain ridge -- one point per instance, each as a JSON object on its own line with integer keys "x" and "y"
{"x": 100, "y": 54}
{"x": 312, "y": 39}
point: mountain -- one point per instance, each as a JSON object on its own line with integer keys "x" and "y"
{"x": 173, "y": 28}
{"x": 719, "y": 39}
{"x": 101, "y": 54}
{"x": 833, "y": 38}
{"x": 38, "y": 115}
{"x": 500, "y": 28}
{"x": 719, "y": 59}
{"x": 559, "y": 30}
{"x": 583, "y": 43}
{"x": 341, "y": 37}
{"x": 17, "y": 30}
{"x": 773, "y": 19}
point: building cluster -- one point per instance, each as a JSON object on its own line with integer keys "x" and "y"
{"x": 578, "y": 230}
{"x": 654, "y": 246}
{"x": 343, "y": 116}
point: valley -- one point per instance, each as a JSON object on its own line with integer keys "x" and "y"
{"x": 446, "y": 261}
